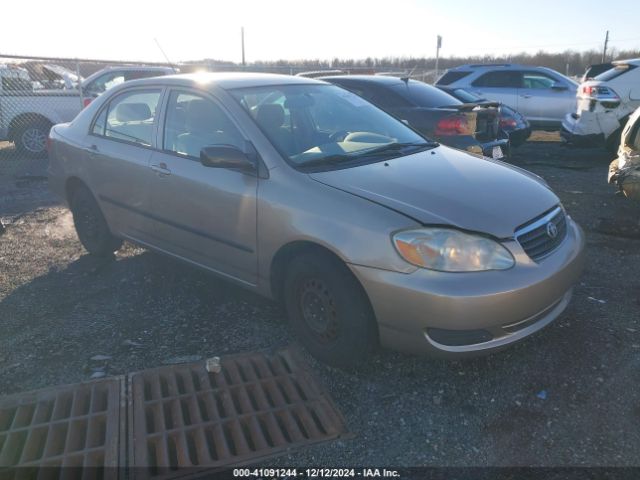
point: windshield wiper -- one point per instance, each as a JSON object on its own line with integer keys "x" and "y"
{"x": 342, "y": 158}
{"x": 396, "y": 147}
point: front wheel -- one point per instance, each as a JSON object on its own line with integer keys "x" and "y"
{"x": 328, "y": 310}
{"x": 92, "y": 228}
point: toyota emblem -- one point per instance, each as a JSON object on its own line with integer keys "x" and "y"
{"x": 552, "y": 230}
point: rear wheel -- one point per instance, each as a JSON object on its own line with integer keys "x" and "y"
{"x": 92, "y": 228}
{"x": 31, "y": 139}
{"x": 328, "y": 310}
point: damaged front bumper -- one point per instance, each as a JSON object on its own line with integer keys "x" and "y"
{"x": 624, "y": 172}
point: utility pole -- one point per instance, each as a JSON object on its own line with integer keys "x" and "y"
{"x": 242, "y": 40}
{"x": 604, "y": 51}
{"x": 438, "y": 45}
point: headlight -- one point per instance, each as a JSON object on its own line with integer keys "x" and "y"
{"x": 451, "y": 250}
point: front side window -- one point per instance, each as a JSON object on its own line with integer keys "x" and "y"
{"x": 194, "y": 122}
{"x": 499, "y": 79}
{"x": 130, "y": 117}
{"x": 537, "y": 80}
{"x": 326, "y": 125}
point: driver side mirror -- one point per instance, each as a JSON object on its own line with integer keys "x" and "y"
{"x": 226, "y": 156}
{"x": 558, "y": 86}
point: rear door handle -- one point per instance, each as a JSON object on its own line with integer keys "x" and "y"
{"x": 525, "y": 96}
{"x": 161, "y": 169}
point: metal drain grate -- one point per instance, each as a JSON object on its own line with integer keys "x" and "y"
{"x": 69, "y": 426}
{"x": 257, "y": 406}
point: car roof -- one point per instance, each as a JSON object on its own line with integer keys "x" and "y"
{"x": 631, "y": 61}
{"x": 225, "y": 80}
{"x": 380, "y": 79}
{"x": 492, "y": 66}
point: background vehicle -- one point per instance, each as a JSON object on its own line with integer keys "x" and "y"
{"x": 541, "y": 94}
{"x": 624, "y": 171}
{"x": 26, "y": 115}
{"x": 432, "y": 112}
{"x": 511, "y": 121}
{"x": 603, "y": 106}
{"x": 366, "y": 232}
{"x": 109, "y": 77}
{"x": 594, "y": 70}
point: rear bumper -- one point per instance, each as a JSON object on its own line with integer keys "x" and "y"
{"x": 518, "y": 136}
{"x": 486, "y": 310}
{"x": 503, "y": 144}
{"x": 588, "y": 129}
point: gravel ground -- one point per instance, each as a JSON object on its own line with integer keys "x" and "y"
{"x": 566, "y": 396}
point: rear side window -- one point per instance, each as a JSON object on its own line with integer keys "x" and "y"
{"x": 499, "y": 79}
{"x": 452, "y": 76}
{"x": 615, "y": 72}
{"x": 129, "y": 117}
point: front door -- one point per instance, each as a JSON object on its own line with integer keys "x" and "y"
{"x": 202, "y": 214}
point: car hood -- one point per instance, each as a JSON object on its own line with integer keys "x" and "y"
{"x": 444, "y": 186}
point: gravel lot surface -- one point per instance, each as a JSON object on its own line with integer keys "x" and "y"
{"x": 567, "y": 396}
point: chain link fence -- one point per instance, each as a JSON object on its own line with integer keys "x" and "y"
{"x": 38, "y": 92}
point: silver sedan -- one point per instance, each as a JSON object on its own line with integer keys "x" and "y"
{"x": 368, "y": 232}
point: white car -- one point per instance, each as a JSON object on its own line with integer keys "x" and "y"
{"x": 624, "y": 171}
{"x": 604, "y": 105}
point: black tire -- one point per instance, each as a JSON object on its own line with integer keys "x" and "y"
{"x": 91, "y": 227}
{"x": 31, "y": 139}
{"x": 328, "y": 310}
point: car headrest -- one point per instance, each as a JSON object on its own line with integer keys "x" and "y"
{"x": 270, "y": 116}
{"x": 201, "y": 116}
{"x": 132, "y": 112}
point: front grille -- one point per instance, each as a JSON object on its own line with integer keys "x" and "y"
{"x": 186, "y": 417}
{"x": 68, "y": 426}
{"x": 534, "y": 236}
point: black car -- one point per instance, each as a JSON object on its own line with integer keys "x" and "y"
{"x": 432, "y": 112}
{"x": 511, "y": 121}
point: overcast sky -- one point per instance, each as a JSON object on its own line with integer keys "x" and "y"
{"x": 283, "y": 29}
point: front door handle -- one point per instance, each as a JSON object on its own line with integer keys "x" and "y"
{"x": 525, "y": 96}
{"x": 161, "y": 169}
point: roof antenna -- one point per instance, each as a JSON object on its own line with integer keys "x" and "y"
{"x": 406, "y": 79}
{"x": 165, "y": 55}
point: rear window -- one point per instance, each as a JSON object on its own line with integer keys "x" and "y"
{"x": 466, "y": 96}
{"x": 615, "y": 72}
{"x": 452, "y": 76}
{"x": 424, "y": 95}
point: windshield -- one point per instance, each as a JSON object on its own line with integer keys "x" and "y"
{"x": 325, "y": 125}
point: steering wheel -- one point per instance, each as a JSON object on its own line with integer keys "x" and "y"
{"x": 338, "y": 136}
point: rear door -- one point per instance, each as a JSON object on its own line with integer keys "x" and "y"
{"x": 499, "y": 86}
{"x": 202, "y": 214}
{"x": 118, "y": 151}
{"x": 545, "y": 99}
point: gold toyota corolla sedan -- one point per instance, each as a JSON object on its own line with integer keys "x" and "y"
{"x": 301, "y": 191}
